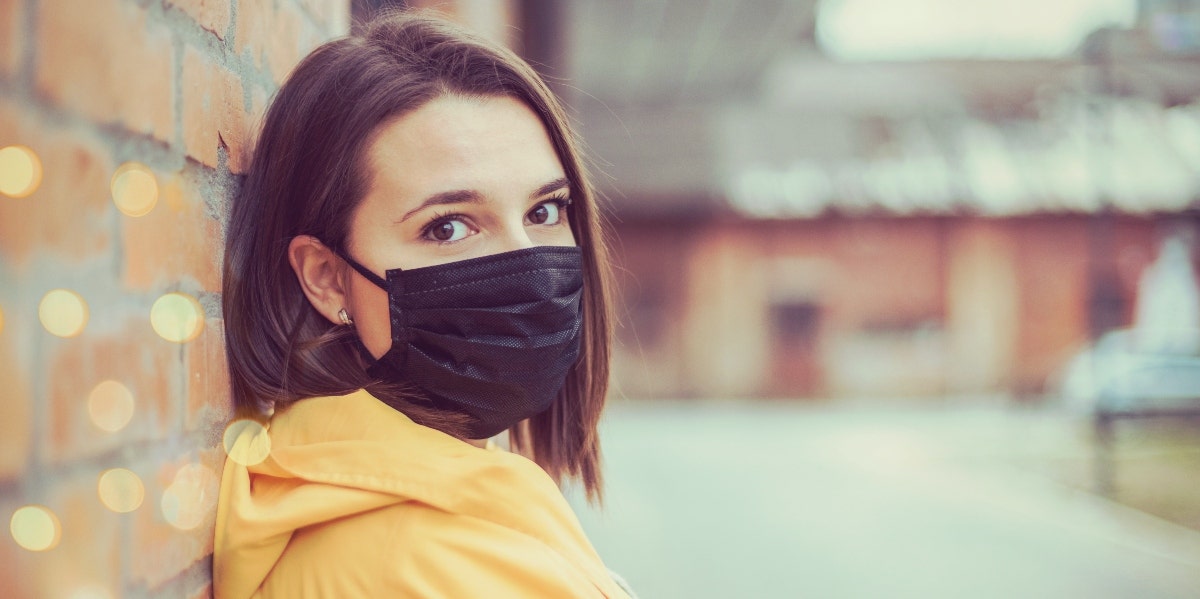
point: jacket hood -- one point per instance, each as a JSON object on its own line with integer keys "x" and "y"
{"x": 332, "y": 457}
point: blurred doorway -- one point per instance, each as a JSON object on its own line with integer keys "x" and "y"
{"x": 795, "y": 349}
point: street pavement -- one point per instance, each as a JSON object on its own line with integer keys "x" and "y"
{"x": 788, "y": 499}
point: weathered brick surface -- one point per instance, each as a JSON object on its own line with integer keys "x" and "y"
{"x": 174, "y": 241}
{"x": 10, "y": 37}
{"x": 212, "y": 111}
{"x": 67, "y": 213}
{"x": 14, "y": 123}
{"x": 132, "y": 355}
{"x": 91, "y": 85}
{"x": 213, "y": 15}
{"x": 258, "y": 108}
{"x": 160, "y": 549}
{"x": 270, "y": 35}
{"x": 118, "y": 67}
{"x": 15, "y": 563}
{"x": 85, "y": 557}
{"x": 208, "y": 405}
{"x": 16, "y": 409}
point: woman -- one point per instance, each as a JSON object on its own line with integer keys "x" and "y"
{"x": 414, "y": 264}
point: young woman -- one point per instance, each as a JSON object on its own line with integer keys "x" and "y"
{"x": 414, "y": 265}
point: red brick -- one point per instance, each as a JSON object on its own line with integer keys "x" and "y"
{"x": 16, "y": 123}
{"x": 1052, "y": 280}
{"x": 15, "y": 562}
{"x": 175, "y": 240}
{"x": 10, "y": 37}
{"x": 212, "y": 110}
{"x": 1136, "y": 243}
{"x": 209, "y": 404}
{"x": 85, "y": 556}
{"x": 132, "y": 355}
{"x": 213, "y": 15}
{"x": 258, "y": 107}
{"x": 65, "y": 216}
{"x": 894, "y": 269}
{"x": 161, "y": 551}
{"x": 16, "y": 415}
{"x": 271, "y": 35}
{"x": 102, "y": 59}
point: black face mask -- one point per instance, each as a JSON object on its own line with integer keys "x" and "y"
{"x": 493, "y": 337}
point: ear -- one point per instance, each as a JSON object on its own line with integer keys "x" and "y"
{"x": 321, "y": 275}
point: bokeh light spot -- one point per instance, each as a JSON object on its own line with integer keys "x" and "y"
{"x": 20, "y": 171}
{"x": 93, "y": 591}
{"x": 63, "y": 312}
{"x": 190, "y": 498}
{"x": 121, "y": 490}
{"x": 134, "y": 189}
{"x": 177, "y": 317}
{"x": 110, "y": 405}
{"x": 247, "y": 442}
{"x": 35, "y": 528}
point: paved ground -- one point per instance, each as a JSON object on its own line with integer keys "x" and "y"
{"x": 721, "y": 499}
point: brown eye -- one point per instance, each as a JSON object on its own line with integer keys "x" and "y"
{"x": 547, "y": 213}
{"x": 447, "y": 230}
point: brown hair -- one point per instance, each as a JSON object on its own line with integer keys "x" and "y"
{"x": 307, "y": 177}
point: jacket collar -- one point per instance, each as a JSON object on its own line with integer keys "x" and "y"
{"x": 357, "y": 454}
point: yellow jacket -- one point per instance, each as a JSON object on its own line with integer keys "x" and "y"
{"x": 357, "y": 500}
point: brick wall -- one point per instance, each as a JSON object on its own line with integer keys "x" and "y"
{"x": 123, "y": 103}
{"x": 902, "y": 307}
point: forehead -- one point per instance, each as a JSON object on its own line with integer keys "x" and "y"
{"x": 454, "y": 142}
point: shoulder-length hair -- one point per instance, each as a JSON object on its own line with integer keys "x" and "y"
{"x": 307, "y": 176}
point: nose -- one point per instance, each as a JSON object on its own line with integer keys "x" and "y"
{"x": 515, "y": 237}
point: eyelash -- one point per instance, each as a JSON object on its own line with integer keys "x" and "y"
{"x": 564, "y": 202}
{"x": 437, "y": 220}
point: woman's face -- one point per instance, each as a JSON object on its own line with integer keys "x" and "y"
{"x": 457, "y": 178}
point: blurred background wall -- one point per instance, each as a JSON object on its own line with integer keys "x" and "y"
{"x": 857, "y": 198}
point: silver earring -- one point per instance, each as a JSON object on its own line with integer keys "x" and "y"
{"x": 346, "y": 320}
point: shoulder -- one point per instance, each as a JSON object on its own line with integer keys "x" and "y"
{"x": 411, "y": 549}
{"x": 443, "y": 554}
{"x": 338, "y": 558}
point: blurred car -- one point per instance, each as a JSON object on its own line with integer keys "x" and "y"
{"x": 1128, "y": 373}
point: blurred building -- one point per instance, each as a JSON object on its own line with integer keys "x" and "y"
{"x": 791, "y": 224}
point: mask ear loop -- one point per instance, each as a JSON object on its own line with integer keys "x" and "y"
{"x": 380, "y": 282}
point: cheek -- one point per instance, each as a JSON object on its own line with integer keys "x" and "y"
{"x": 372, "y": 318}
{"x": 568, "y": 238}
{"x": 553, "y": 236}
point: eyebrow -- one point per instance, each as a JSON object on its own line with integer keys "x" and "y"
{"x": 468, "y": 196}
{"x": 550, "y": 187}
